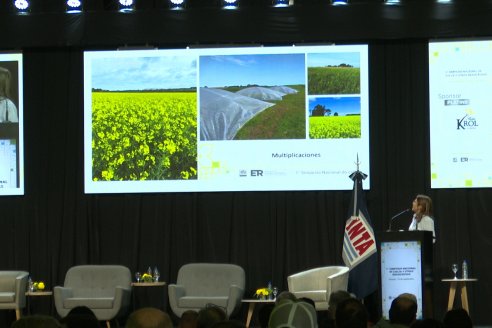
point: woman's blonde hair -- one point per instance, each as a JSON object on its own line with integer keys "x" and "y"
{"x": 4, "y": 83}
{"x": 425, "y": 204}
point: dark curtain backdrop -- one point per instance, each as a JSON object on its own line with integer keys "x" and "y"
{"x": 270, "y": 234}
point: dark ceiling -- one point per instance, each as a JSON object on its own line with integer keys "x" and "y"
{"x": 204, "y": 22}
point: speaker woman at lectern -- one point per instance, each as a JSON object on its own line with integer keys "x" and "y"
{"x": 8, "y": 110}
{"x": 422, "y": 215}
{"x": 422, "y": 220}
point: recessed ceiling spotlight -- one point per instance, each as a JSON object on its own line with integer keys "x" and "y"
{"x": 176, "y": 4}
{"x": 230, "y": 4}
{"x": 283, "y": 3}
{"x": 126, "y": 5}
{"x": 339, "y": 2}
{"x": 74, "y": 6}
{"x": 21, "y": 6}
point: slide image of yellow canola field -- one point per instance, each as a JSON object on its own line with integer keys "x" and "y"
{"x": 144, "y": 136}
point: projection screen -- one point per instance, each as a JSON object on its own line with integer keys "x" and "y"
{"x": 460, "y": 81}
{"x": 225, "y": 119}
{"x": 11, "y": 125}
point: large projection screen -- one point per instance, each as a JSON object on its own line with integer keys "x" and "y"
{"x": 11, "y": 126}
{"x": 225, "y": 119}
{"x": 460, "y": 82}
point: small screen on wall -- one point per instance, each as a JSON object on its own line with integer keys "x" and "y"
{"x": 11, "y": 125}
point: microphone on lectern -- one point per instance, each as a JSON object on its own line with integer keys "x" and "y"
{"x": 398, "y": 215}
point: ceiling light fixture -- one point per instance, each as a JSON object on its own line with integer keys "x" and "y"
{"x": 230, "y": 4}
{"x": 176, "y": 4}
{"x": 126, "y": 5}
{"x": 22, "y": 6}
{"x": 339, "y": 2}
{"x": 74, "y": 6}
{"x": 283, "y": 3}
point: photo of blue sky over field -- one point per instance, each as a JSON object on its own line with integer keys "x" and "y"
{"x": 333, "y": 59}
{"x": 144, "y": 73}
{"x": 341, "y": 105}
{"x": 242, "y": 70}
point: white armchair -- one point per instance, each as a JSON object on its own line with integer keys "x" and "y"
{"x": 13, "y": 286}
{"x": 317, "y": 284}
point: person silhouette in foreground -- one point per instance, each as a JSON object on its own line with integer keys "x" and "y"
{"x": 293, "y": 314}
{"x": 80, "y": 317}
{"x": 149, "y": 318}
{"x": 36, "y": 321}
{"x": 402, "y": 313}
{"x": 351, "y": 313}
{"x": 457, "y": 318}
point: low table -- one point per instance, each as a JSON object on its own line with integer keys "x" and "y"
{"x": 252, "y": 303}
{"x": 158, "y": 302}
{"x": 30, "y": 294}
{"x": 149, "y": 284}
{"x": 458, "y": 284}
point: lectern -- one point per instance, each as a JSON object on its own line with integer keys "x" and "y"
{"x": 405, "y": 265}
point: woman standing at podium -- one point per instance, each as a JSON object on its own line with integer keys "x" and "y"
{"x": 422, "y": 217}
{"x": 8, "y": 110}
{"x": 422, "y": 220}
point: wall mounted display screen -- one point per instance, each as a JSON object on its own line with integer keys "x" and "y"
{"x": 460, "y": 75}
{"x": 228, "y": 119}
{"x": 11, "y": 130}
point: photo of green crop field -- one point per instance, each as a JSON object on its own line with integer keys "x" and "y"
{"x": 333, "y": 73}
{"x": 333, "y": 80}
{"x": 144, "y": 136}
{"x": 334, "y": 127}
{"x": 285, "y": 120}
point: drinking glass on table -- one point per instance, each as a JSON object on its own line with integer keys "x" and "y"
{"x": 454, "y": 268}
{"x": 137, "y": 276}
{"x": 157, "y": 274}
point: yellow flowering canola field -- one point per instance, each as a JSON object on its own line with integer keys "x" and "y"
{"x": 144, "y": 136}
{"x": 334, "y": 127}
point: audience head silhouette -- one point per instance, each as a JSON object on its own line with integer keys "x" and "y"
{"x": 285, "y": 295}
{"x": 36, "y": 321}
{"x": 209, "y": 316}
{"x": 149, "y": 318}
{"x": 403, "y": 309}
{"x": 293, "y": 314}
{"x": 457, "y": 318}
{"x": 351, "y": 313}
{"x": 427, "y": 323}
{"x": 228, "y": 324}
{"x": 188, "y": 319}
{"x": 80, "y": 317}
{"x": 335, "y": 299}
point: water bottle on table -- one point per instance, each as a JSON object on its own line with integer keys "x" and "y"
{"x": 464, "y": 270}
